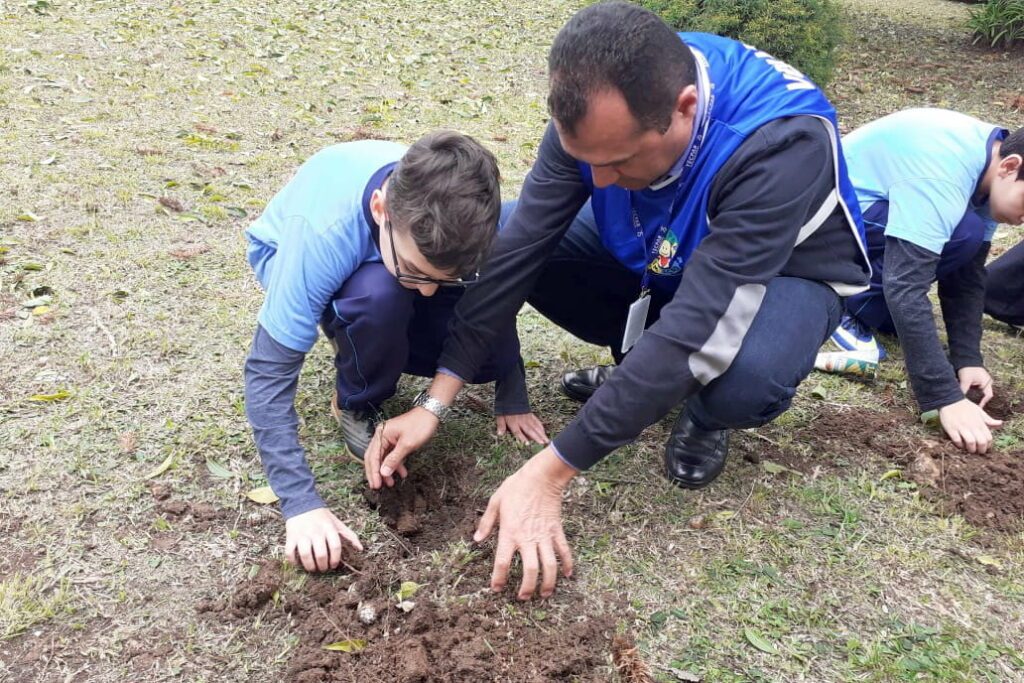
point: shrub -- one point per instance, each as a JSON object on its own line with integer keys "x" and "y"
{"x": 804, "y": 33}
{"x": 998, "y": 22}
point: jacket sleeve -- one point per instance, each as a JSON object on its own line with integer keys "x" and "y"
{"x": 962, "y": 297}
{"x": 771, "y": 187}
{"x": 271, "y": 380}
{"x": 907, "y": 277}
{"x": 552, "y": 195}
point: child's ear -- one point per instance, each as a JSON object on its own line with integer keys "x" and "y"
{"x": 1011, "y": 164}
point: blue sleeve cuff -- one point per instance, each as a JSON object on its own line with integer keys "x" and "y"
{"x": 452, "y": 373}
{"x": 554, "y": 448}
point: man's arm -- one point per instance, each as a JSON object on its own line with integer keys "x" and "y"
{"x": 908, "y": 273}
{"x": 772, "y": 186}
{"x": 271, "y": 380}
{"x": 552, "y": 195}
{"x": 962, "y": 297}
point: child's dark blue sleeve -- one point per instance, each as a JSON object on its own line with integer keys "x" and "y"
{"x": 962, "y": 295}
{"x": 271, "y": 380}
{"x": 908, "y": 274}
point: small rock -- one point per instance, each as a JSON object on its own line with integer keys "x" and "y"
{"x": 367, "y": 614}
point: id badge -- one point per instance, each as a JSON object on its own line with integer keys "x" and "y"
{"x": 636, "y": 321}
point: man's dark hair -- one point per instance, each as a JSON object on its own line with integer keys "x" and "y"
{"x": 1014, "y": 144}
{"x": 621, "y": 46}
{"x": 445, "y": 191}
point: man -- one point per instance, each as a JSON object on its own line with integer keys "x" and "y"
{"x": 368, "y": 240}
{"x": 730, "y": 156}
{"x": 932, "y": 185}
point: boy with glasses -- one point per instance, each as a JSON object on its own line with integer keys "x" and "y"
{"x": 374, "y": 243}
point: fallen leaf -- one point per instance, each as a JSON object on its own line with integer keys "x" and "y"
{"x": 759, "y": 641}
{"x": 724, "y": 515}
{"x": 350, "y": 645}
{"x": 29, "y": 216}
{"x": 127, "y": 442}
{"x": 40, "y": 310}
{"x": 988, "y": 561}
{"x": 264, "y": 495}
{"x": 172, "y": 204}
{"x": 218, "y": 470}
{"x": 930, "y": 417}
{"x": 162, "y": 467}
{"x": 58, "y": 396}
{"x": 775, "y": 468}
{"x": 205, "y": 128}
{"x": 407, "y": 590}
{"x": 890, "y": 474}
{"x": 148, "y": 152}
{"x": 190, "y": 251}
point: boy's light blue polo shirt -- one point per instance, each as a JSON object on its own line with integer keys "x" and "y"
{"x": 313, "y": 235}
{"x": 927, "y": 164}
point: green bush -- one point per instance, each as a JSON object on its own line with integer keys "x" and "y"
{"x": 804, "y": 33}
{"x": 998, "y": 22}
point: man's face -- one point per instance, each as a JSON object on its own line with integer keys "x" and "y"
{"x": 610, "y": 139}
{"x": 1006, "y": 196}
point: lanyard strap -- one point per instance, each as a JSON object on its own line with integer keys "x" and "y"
{"x": 705, "y": 103}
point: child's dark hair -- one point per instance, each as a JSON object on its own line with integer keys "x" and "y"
{"x": 445, "y": 192}
{"x": 1014, "y": 144}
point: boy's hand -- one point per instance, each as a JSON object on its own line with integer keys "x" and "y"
{"x": 525, "y": 427}
{"x": 968, "y": 426}
{"x": 976, "y": 376}
{"x": 315, "y": 538}
{"x": 394, "y": 440}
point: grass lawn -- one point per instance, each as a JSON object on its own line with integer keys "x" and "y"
{"x": 845, "y": 541}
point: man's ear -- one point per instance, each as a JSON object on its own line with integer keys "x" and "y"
{"x": 686, "y": 102}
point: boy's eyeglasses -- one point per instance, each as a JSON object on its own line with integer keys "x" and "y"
{"x": 423, "y": 279}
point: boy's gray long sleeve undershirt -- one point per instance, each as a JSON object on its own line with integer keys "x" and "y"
{"x": 908, "y": 274}
{"x": 271, "y": 381}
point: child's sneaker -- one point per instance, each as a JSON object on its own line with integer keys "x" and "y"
{"x": 357, "y": 427}
{"x": 847, "y": 363}
{"x": 851, "y": 335}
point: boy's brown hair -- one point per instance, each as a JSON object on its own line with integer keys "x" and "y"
{"x": 445, "y": 192}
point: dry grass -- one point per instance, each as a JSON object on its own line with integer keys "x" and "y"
{"x": 138, "y": 141}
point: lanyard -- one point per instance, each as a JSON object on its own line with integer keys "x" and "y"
{"x": 705, "y": 102}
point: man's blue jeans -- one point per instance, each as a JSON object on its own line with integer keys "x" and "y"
{"x": 584, "y": 290}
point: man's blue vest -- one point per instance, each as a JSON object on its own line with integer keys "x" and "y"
{"x": 748, "y": 88}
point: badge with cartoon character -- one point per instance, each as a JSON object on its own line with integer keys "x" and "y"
{"x": 662, "y": 263}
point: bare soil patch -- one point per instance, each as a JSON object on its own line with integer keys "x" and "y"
{"x": 453, "y": 628}
{"x": 987, "y": 489}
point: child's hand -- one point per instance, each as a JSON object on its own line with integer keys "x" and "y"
{"x": 525, "y": 427}
{"x": 315, "y": 537}
{"x": 968, "y": 426}
{"x": 976, "y": 376}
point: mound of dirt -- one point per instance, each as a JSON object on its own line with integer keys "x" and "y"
{"x": 988, "y": 490}
{"x": 451, "y": 629}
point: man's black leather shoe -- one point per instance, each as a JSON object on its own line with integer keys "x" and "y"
{"x": 694, "y": 457}
{"x": 580, "y": 385}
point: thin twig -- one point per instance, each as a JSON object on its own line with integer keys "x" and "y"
{"x": 103, "y": 328}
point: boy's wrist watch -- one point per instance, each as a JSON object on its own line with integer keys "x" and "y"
{"x": 431, "y": 405}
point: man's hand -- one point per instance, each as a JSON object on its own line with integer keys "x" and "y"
{"x": 528, "y": 510}
{"x": 976, "y": 376}
{"x": 394, "y": 440}
{"x": 315, "y": 537}
{"x": 968, "y": 426}
{"x": 525, "y": 427}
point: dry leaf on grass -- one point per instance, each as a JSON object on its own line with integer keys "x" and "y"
{"x": 189, "y": 251}
{"x": 172, "y": 204}
{"x": 631, "y": 666}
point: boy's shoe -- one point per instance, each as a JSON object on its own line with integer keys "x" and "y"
{"x": 580, "y": 385}
{"x": 852, "y": 335}
{"x": 357, "y": 427}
